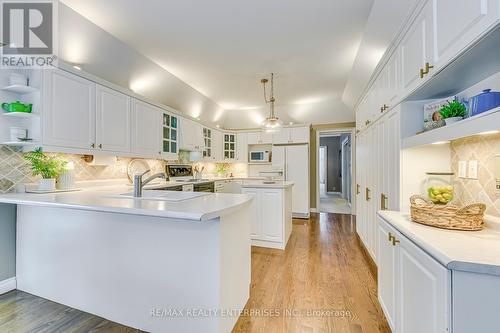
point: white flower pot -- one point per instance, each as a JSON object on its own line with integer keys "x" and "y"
{"x": 452, "y": 120}
{"x": 47, "y": 184}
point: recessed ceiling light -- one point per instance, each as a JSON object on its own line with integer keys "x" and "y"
{"x": 489, "y": 132}
{"x": 440, "y": 142}
{"x": 78, "y": 68}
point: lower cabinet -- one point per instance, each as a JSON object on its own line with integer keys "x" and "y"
{"x": 271, "y": 221}
{"x": 414, "y": 289}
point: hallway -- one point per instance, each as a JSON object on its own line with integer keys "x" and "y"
{"x": 332, "y": 202}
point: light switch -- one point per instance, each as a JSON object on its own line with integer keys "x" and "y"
{"x": 462, "y": 169}
{"x": 473, "y": 169}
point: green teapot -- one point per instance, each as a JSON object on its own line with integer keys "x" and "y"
{"x": 17, "y": 107}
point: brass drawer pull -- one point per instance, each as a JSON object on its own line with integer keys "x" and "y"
{"x": 367, "y": 194}
{"x": 383, "y": 200}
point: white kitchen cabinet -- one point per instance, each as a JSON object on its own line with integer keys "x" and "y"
{"x": 271, "y": 218}
{"x": 242, "y": 148}
{"x": 191, "y": 135}
{"x": 146, "y": 130}
{"x": 416, "y": 50}
{"x": 387, "y": 263}
{"x": 169, "y": 136}
{"x": 259, "y": 138}
{"x": 68, "y": 111}
{"x": 208, "y": 144}
{"x": 229, "y": 146}
{"x": 293, "y": 135}
{"x": 113, "y": 120}
{"x": 414, "y": 289}
{"x": 393, "y": 80}
{"x": 217, "y": 145}
{"x": 473, "y": 17}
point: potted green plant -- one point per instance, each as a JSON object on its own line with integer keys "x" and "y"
{"x": 453, "y": 112}
{"x": 221, "y": 169}
{"x": 49, "y": 167}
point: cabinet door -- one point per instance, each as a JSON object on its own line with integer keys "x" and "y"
{"x": 360, "y": 186}
{"x": 69, "y": 111}
{"x": 393, "y": 159}
{"x": 416, "y": 49}
{"x": 266, "y": 138}
{"x": 229, "y": 147}
{"x": 217, "y": 146}
{"x": 424, "y": 291}
{"x": 112, "y": 120}
{"x": 253, "y": 138}
{"x": 300, "y": 134}
{"x": 394, "y": 79}
{"x": 387, "y": 282}
{"x": 169, "y": 136}
{"x": 458, "y": 23}
{"x": 283, "y": 136}
{"x": 145, "y": 129}
{"x": 272, "y": 214}
{"x": 256, "y": 218}
{"x": 242, "y": 154}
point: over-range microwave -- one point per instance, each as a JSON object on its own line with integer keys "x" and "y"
{"x": 260, "y": 156}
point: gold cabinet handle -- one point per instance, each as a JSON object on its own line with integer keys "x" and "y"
{"x": 385, "y": 107}
{"x": 367, "y": 194}
{"x": 383, "y": 199}
{"x": 395, "y": 241}
{"x": 427, "y": 67}
{"x": 382, "y": 109}
{"x": 92, "y": 145}
{"x": 422, "y": 73}
{"x": 358, "y": 189}
{"x": 100, "y": 145}
{"x": 390, "y": 237}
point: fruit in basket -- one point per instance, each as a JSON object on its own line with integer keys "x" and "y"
{"x": 440, "y": 194}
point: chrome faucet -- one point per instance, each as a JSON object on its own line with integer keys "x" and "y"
{"x": 139, "y": 183}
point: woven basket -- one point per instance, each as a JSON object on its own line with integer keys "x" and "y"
{"x": 468, "y": 218}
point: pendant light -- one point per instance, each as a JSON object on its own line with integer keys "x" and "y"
{"x": 272, "y": 123}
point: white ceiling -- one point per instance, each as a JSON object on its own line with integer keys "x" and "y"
{"x": 222, "y": 48}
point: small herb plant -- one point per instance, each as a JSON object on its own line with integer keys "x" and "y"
{"x": 221, "y": 168}
{"x": 453, "y": 109}
{"x": 44, "y": 165}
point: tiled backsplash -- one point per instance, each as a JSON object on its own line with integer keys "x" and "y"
{"x": 482, "y": 148}
{"x": 14, "y": 170}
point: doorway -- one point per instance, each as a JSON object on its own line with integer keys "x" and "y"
{"x": 334, "y": 181}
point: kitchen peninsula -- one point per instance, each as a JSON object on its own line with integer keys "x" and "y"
{"x": 137, "y": 261}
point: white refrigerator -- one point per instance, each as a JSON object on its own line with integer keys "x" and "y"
{"x": 293, "y": 160}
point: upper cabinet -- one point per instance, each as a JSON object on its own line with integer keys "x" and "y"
{"x": 208, "y": 144}
{"x": 217, "y": 142}
{"x": 458, "y": 23}
{"x": 260, "y": 137}
{"x": 242, "y": 147}
{"x": 416, "y": 51}
{"x": 229, "y": 146}
{"x": 191, "y": 135}
{"x": 146, "y": 120}
{"x": 112, "y": 120}
{"x": 289, "y": 135}
{"x": 68, "y": 111}
{"x": 169, "y": 135}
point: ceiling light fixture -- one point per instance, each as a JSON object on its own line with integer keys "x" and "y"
{"x": 271, "y": 123}
{"x": 78, "y": 68}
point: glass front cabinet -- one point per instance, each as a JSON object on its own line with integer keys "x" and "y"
{"x": 169, "y": 137}
{"x": 207, "y": 138}
{"x": 229, "y": 146}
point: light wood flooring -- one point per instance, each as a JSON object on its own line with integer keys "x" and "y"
{"x": 322, "y": 269}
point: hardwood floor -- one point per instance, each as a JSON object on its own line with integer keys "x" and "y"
{"x": 322, "y": 269}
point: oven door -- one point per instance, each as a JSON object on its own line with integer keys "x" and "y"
{"x": 205, "y": 187}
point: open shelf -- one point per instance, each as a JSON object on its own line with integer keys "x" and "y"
{"x": 20, "y": 89}
{"x": 19, "y": 114}
{"x": 484, "y": 122}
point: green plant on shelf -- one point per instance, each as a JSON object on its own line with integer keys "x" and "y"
{"x": 221, "y": 168}
{"x": 453, "y": 109}
{"x": 46, "y": 166}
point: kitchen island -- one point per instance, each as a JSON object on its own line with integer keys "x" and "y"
{"x": 271, "y": 221}
{"x": 161, "y": 263}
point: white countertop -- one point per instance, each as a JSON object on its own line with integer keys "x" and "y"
{"x": 471, "y": 251}
{"x": 104, "y": 199}
{"x": 266, "y": 184}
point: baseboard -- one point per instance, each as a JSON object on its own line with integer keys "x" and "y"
{"x": 8, "y": 285}
{"x": 300, "y": 215}
{"x": 314, "y": 210}
{"x": 371, "y": 263}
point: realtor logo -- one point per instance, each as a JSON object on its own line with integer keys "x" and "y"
{"x": 28, "y": 31}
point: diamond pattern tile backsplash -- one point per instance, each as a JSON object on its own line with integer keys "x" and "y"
{"x": 482, "y": 148}
{"x": 14, "y": 170}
